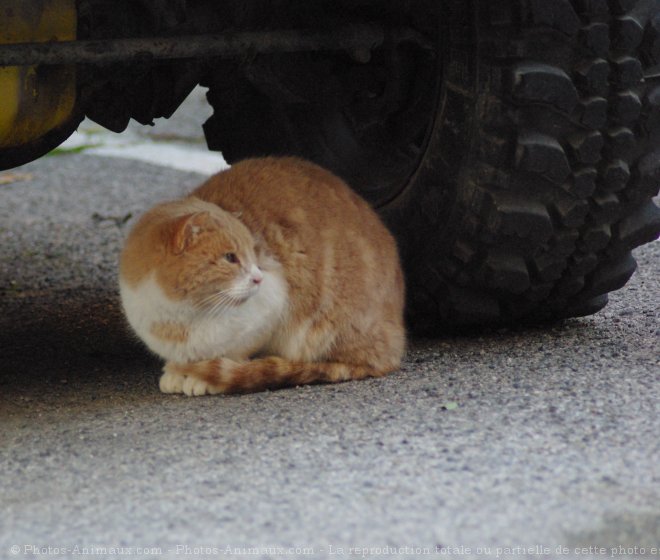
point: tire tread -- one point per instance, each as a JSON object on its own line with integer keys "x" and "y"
{"x": 553, "y": 238}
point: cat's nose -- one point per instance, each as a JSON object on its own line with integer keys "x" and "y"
{"x": 257, "y": 275}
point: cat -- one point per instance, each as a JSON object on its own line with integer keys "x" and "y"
{"x": 272, "y": 273}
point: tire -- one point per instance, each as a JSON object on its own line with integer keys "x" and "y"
{"x": 533, "y": 177}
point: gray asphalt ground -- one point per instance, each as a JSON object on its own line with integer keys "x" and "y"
{"x": 538, "y": 443}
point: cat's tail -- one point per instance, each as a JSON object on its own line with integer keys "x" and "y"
{"x": 226, "y": 376}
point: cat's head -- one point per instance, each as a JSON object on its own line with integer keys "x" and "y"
{"x": 197, "y": 253}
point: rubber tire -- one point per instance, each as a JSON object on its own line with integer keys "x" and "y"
{"x": 539, "y": 169}
{"x": 555, "y": 186}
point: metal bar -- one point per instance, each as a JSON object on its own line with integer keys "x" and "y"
{"x": 228, "y": 44}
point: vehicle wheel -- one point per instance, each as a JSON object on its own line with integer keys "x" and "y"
{"x": 515, "y": 157}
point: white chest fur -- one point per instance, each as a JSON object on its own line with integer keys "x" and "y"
{"x": 235, "y": 333}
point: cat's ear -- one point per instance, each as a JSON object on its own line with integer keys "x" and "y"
{"x": 188, "y": 228}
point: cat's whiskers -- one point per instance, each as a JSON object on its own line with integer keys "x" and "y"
{"x": 214, "y": 303}
{"x": 211, "y": 299}
{"x": 218, "y": 303}
{"x": 221, "y": 306}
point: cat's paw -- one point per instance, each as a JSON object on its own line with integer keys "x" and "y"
{"x": 196, "y": 388}
{"x": 189, "y": 379}
{"x": 171, "y": 381}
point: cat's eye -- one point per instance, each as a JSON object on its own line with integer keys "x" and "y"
{"x": 231, "y": 258}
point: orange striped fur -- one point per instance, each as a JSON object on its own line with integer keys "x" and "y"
{"x": 231, "y": 377}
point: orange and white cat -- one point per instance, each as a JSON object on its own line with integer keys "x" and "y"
{"x": 271, "y": 274}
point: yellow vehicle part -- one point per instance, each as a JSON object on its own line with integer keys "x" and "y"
{"x": 35, "y": 99}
